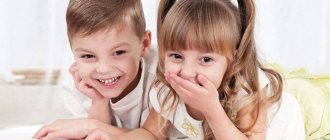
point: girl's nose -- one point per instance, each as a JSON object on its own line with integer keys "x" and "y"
{"x": 188, "y": 71}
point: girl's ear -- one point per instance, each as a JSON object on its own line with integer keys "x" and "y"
{"x": 146, "y": 41}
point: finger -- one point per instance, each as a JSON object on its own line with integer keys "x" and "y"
{"x": 98, "y": 135}
{"x": 76, "y": 77}
{"x": 90, "y": 91}
{"x": 43, "y": 131}
{"x": 181, "y": 91}
{"x": 73, "y": 68}
{"x": 62, "y": 134}
{"x": 85, "y": 89}
{"x": 207, "y": 84}
{"x": 186, "y": 84}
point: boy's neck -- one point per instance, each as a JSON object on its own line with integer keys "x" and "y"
{"x": 130, "y": 87}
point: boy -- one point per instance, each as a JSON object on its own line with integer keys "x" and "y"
{"x": 112, "y": 62}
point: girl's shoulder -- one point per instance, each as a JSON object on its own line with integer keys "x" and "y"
{"x": 263, "y": 79}
{"x": 157, "y": 95}
{"x": 263, "y": 82}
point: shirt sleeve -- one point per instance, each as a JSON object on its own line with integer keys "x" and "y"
{"x": 285, "y": 120}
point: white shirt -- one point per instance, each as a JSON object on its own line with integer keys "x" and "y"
{"x": 185, "y": 127}
{"x": 287, "y": 124}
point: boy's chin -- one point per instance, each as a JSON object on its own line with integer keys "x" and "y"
{"x": 115, "y": 96}
{"x": 111, "y": 95}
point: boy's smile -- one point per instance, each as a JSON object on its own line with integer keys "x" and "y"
{"x": 109, "y": 82}
{"x": 109, "y": 60}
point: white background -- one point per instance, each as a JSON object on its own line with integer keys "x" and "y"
{"x": 295, "y": 33}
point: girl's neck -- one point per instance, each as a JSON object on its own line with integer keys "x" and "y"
{"x": 197, "y": 115}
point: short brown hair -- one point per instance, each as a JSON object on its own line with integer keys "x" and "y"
{"x": 90, "y": 16}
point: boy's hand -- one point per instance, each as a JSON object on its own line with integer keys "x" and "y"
{"x": 200, "y": 97}
{"x": 100, "y": 108}
{"x": 82, "y": 86}
{"x": 99, "y": 134}
{"x": 71, "y": 129}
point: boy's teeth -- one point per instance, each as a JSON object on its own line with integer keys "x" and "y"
{"x": 108, "y": 81}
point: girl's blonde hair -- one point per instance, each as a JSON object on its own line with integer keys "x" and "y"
{"x": 216, "y": 26}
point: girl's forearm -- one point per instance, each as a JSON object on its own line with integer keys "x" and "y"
{"x": 221, "y": 125}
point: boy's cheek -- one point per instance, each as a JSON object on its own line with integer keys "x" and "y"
{"x": 82, "y": 70}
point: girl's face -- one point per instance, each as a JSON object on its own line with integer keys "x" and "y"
{"x": 189, "y": 63}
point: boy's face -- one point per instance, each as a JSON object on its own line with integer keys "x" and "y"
{"x": 109, "y": 60}
{"x": 188, "y": 64}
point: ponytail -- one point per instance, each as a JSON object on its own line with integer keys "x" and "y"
{"x": 247, "y": 63}
{"x": 247, "y": 16}
{"x": 163, "y": 8}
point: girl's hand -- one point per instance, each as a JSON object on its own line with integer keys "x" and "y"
{"x": 99, "y": 134}
{"x": 82, "y": 86}
{"x": 200, "y": 97}
{"x": 71, "y": 129}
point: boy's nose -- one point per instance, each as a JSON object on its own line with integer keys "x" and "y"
{"x": 103, "y": 67}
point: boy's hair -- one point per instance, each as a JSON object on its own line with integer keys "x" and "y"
{"x": 85, "y": 17}
{"x": 216, "y": 26}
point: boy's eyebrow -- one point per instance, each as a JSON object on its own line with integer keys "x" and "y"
{"x": 115, "y": 47}
{"x": 80, "y": 49}
{"x": 120, "y": 44}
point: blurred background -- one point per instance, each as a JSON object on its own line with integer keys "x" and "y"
{"x": 36, "y": 88}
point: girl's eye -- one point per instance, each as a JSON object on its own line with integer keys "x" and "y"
{"x": 175, "y": 56}
{"x": 206, "y": 59}
{"x": 120, "y": 52}
{"x": 87, "y": 56}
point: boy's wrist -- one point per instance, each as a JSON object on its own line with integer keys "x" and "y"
{"x": 92, "y": 125}
{"x": 104, "y": 101}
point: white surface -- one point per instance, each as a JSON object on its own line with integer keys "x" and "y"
{"x": 19, "y": 132}
{"x": 25, "y": 108}
{"x": 294, "y": 33}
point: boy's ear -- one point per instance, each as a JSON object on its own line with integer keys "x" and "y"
{"x": 146, "y": 41}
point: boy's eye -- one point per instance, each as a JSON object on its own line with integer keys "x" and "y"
{"x": 87, "y": 56}
{"x": 206, "y": 59}
{"x": 120, "y": 52}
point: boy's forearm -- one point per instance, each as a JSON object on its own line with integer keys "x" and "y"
{"x": 100, "y": 110}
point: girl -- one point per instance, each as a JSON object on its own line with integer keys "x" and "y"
{"x": 210, "y": 84}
